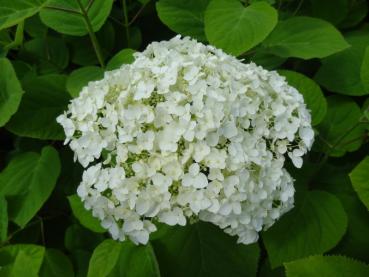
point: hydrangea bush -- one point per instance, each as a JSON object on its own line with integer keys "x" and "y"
{"x": 185, "y": 132}
{"x": 184, "y": 138}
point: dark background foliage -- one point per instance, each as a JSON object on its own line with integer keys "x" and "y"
{"x": 49, "y": 49}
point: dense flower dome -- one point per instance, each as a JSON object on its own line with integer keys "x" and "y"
{"x": 185, "y": 133}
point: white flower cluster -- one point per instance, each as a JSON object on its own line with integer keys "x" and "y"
{"x": 187, "y": 132}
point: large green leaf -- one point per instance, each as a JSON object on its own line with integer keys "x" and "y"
{"x": 355, "y": 243}
{"x": 236, "y": 29}
{"x": 327, "y": 266}
{"x": 358, "y": 9}
{"x": 49, "y": 54}
{"x": 104, "y": 258}
{"x": 112, "y": 258}
{"x": 124, "y": 56}
{"x": 333, "y": 11}
{"x": 342, "y": 72}
{"x": 56, "y": 264}
{"x": 81, "y": 259}
{"x": 306, "y": 38}
{"x": 184, "y": 16}
{"x": 83, "y": 215}
{"x": 80, "y": 78}
{"x": 360, "y": 180}
{"x": 10, "y": 91}
{"x": 26, "y": 264}
{"x": 266, "y": 60}
{"x": 13, "y": 12}
{"x": 340, "y": 127}
{"x": 35, "y": 28}
{"x": 3, "y": 219}
{"x": 204, "y": 249}
{"x": 44, "y": 100}
{"x": 364, "y": 70}
{"x": 68, "y": 17}
{"x": 28, "y": 181}
{"x": 314, "y": 226}
{"x": 21, "y": 260}
{"x": 136, "y": 261}
{"x": 311, "y": 91}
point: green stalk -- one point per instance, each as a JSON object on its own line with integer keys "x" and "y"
{"x": 126, "y": 22}
{"x": 95, "y": 42}
{"x": 18, "y": 39}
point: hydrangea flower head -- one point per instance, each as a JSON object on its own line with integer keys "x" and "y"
{"x": 187, "y": 132}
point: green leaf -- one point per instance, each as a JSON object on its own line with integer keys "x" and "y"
{"x": 28, "y": 181}
{"x": 13, "y": 12}
{"x": 314, "y": 226}
{"x": 56, "y": 264}
{"x": 266, "y": 271}
{"x": 364, "y": 70}
{"x": 333, "y": 11}
{"x": 44, "y": 100}
{"x": 23, "y": 70}
{"x": 184, "y": 16}
{"x": 340, "y": 127}
{"x": 358, "y": 9}
{"x": 80, "y": 78}
{"x": 10, "y": 91}
{"x": 360, "y": 180}
{"x": 306, "y": 38}
{"x": 35, "y": 28}
{"x": 135, "y": 38}
{"x": 23, "y": 265}
{"x": 268, "y": 61}
{"x": 79, "y": 238}
{"x": 112, "y": 258}
{"x": 104, "y": 258}
{"x": 81, "y": 259}
{"x": 68, "y": 17}
{"x": 236, "y": 29}
{"x": 124, "y": 56}
{"x": 204, "y": 249}
{"x": 342, "y": 72}
{"x": 136, "y": 261}
{"x": 365, "y": 110}
{"x": 5, "y": 38}
{"x": 327, "y": 266}
{"x": 3, "y": 219}
{"x": 49, "y": 54}
{"x": 271, "y": 2}
{"x": 355, "y": 243}
{"x": 84, "y": 216}
{"x": 21, "y": 260}
{"x": 312, "y": 93}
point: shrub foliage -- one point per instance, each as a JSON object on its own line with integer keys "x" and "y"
{"x": 50, "y": 49}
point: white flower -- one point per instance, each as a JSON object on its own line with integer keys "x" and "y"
{"x": 201, "y": 150}
{"x": 145, "y": 141}
{"x": 173, "y": 217}
{"x": 295, "y": 156}
{"x": 187, "y": 131}
{"x": 67, "y": 124}
{"x": 307, "y": 135}
{"x": 194, "y": 177}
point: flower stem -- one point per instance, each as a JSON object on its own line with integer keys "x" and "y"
{"x": 137, "y": 14}
{"x": 126, "y": 23}
{"x": 95, "y": 42}
{"x": 18, "y": 39}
